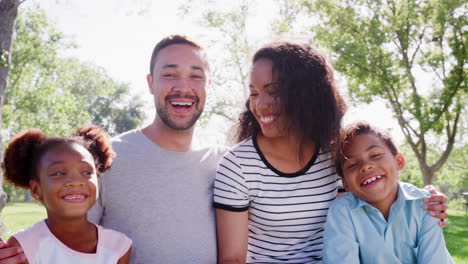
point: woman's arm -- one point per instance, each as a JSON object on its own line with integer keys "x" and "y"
{"x": 437, "y": 204}
{"x": 11, "y": 252}
{"x": 125, "y": 259}
{"x": 232, "y": 231}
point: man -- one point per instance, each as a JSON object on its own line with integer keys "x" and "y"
{"x": 159, "y": 189}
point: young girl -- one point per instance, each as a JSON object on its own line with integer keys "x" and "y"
{"x": 273, "y": 190}
{"x": 62, "y": 174}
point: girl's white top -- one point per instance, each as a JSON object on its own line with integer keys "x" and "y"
{"x": 41, "y": 247}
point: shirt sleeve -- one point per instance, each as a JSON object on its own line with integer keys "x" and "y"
{"x": 115, "y": 241}
{"x": 340, "y": 244}
{"x": 431, "y": 243}
{"x": 230, "y": 187}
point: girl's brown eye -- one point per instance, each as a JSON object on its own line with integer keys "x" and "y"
{"x": 60, "y": 173}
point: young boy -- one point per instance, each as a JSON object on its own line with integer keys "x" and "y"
{"x": 380, "y": 220}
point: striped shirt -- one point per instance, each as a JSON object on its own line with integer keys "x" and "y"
{"x": 287, "y": 212}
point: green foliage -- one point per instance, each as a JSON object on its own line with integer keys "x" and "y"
{"x": 58, "y": 94}
{"x": 13, "y": 193}
{"x": 410, "y": 53}
{"x": 107, "y": 102}
{"x": 3, "y": 58}
{"x": 411, "y": 173}
{"x": 33, "y": 99}
{"x": 452, "y": 179}
{"x": 290, "y": 18}
{"x": 227, "y": 25}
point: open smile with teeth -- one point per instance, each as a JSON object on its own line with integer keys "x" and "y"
{"x": 74, "y": 197}
{"x": 370, "y": 180}
{"x": 181, "y": 104}
{"x": 268, "y": 119}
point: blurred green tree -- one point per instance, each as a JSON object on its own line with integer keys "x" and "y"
{"x": 58, "y": 94}
{"x": 8, "y": 15}
{"x": 410, "y": 53}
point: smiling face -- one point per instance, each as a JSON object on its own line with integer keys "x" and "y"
{"x": 371, "y": 170}
{"x": 67, "y": 181}
{"x": 178, "y": 84}
{"x": 264, "y": 102}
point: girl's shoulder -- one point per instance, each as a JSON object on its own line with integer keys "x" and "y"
{"x": 30, "y": 238}
{"x": 36, "y": 231}
{"x": 113, "y": 240}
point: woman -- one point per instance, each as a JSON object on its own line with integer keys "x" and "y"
{"x": 273, "y": 190}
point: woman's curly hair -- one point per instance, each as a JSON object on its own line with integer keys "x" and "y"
{"x": 307, "y": 92}
{"x": 26, "y": 149}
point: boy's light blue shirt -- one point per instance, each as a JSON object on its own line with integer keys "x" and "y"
{"x": 356, "y": 232}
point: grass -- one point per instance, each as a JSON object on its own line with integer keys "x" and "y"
{"x": 17, "y": 216}
{"x": 456, "y": 236}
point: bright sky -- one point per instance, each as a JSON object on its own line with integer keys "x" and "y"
{"x": 119, "y": 35}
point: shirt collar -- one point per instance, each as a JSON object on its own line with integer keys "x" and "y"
{"x": 405, "y": 192}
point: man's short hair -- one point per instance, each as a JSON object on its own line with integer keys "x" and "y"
{"x": 168, "y": 41}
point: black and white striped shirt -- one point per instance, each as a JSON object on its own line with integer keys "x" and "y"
{"x": 287, "y": 212}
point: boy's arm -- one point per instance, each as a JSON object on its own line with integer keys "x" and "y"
{"x": 431, "y": 243}
{"x": 340, "y": 245}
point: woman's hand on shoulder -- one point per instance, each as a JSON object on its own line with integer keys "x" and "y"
{"x": 11, "y": 252}
{"x": 436, "y": 204}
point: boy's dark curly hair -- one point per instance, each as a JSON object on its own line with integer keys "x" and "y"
{"x": 349, "y": 132}
{"x": 26, "y": 149}
{"x": 307, "y": 93}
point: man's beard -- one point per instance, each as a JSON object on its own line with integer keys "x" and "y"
{"x": 165, "y": 117}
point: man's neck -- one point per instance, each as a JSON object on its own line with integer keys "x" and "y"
{"x": 168, "y": 138}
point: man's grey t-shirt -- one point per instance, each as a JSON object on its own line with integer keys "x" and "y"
{"x": 161, "y": 199}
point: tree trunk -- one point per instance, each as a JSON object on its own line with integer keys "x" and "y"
{"x": 8, "y": 14}
{"x": 27, "y": 196}
{"x": 427, "y": 173}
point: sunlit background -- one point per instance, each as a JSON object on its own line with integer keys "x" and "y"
{"x": 120, "y": 35}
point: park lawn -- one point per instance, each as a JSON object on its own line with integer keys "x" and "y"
{"x": 17, "y": 216}
{"x": 456, "y": 236}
